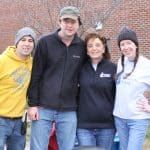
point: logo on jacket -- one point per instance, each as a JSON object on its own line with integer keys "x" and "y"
{"x": 104, "y": 75}
{"x": 76, "y": 56}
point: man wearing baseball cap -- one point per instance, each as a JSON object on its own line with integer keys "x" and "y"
{"x": 54, "y": 83}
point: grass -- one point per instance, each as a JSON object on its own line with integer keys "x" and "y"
{"x": 147, "y": 140}
{"x": 148, "y": 134}
{"x": 28, "y": 132}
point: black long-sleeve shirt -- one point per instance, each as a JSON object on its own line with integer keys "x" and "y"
{"x": 96, "y": 97}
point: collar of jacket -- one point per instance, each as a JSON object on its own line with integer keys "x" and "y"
{"x": 75, "y": 40}
{"x": 101, "y": 62}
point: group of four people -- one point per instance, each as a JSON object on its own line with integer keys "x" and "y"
{"x": 74, "y": 84}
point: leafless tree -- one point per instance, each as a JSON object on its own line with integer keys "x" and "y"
{"x": 42, "y": 15}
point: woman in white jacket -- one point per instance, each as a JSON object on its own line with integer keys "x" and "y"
{"x": 133, "y": 78}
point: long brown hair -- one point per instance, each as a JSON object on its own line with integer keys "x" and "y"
{"x": 89, "y": 36}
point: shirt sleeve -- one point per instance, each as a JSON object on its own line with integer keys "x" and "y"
{"x": 39, "y": 63}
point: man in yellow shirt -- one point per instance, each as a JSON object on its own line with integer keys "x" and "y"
{"x": 15, "y": 71}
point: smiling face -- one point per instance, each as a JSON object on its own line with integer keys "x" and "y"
{"x": 95, "y": 49}
{"x": 128, "y": 49}
{"x": 24, "y": 47}
{"x": 69, "y": 27}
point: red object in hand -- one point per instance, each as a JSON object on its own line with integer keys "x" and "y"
{"x": 53, "y": 141}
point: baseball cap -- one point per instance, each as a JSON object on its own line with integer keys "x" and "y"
{"x": 70, "y": 12}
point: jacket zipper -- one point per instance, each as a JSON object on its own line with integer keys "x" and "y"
{"x": 66, "y": 56}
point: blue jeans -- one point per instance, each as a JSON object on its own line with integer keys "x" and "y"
{"x": 131, "y": 133}
{"x": 66, "y": 123}
{"x": 10, "y": 134}
{"x": 102, "y": 138}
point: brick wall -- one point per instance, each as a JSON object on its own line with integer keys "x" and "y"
{"x": 43, "y": 16}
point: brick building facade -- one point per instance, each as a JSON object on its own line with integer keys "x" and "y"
{"x": 42, "y": 15}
